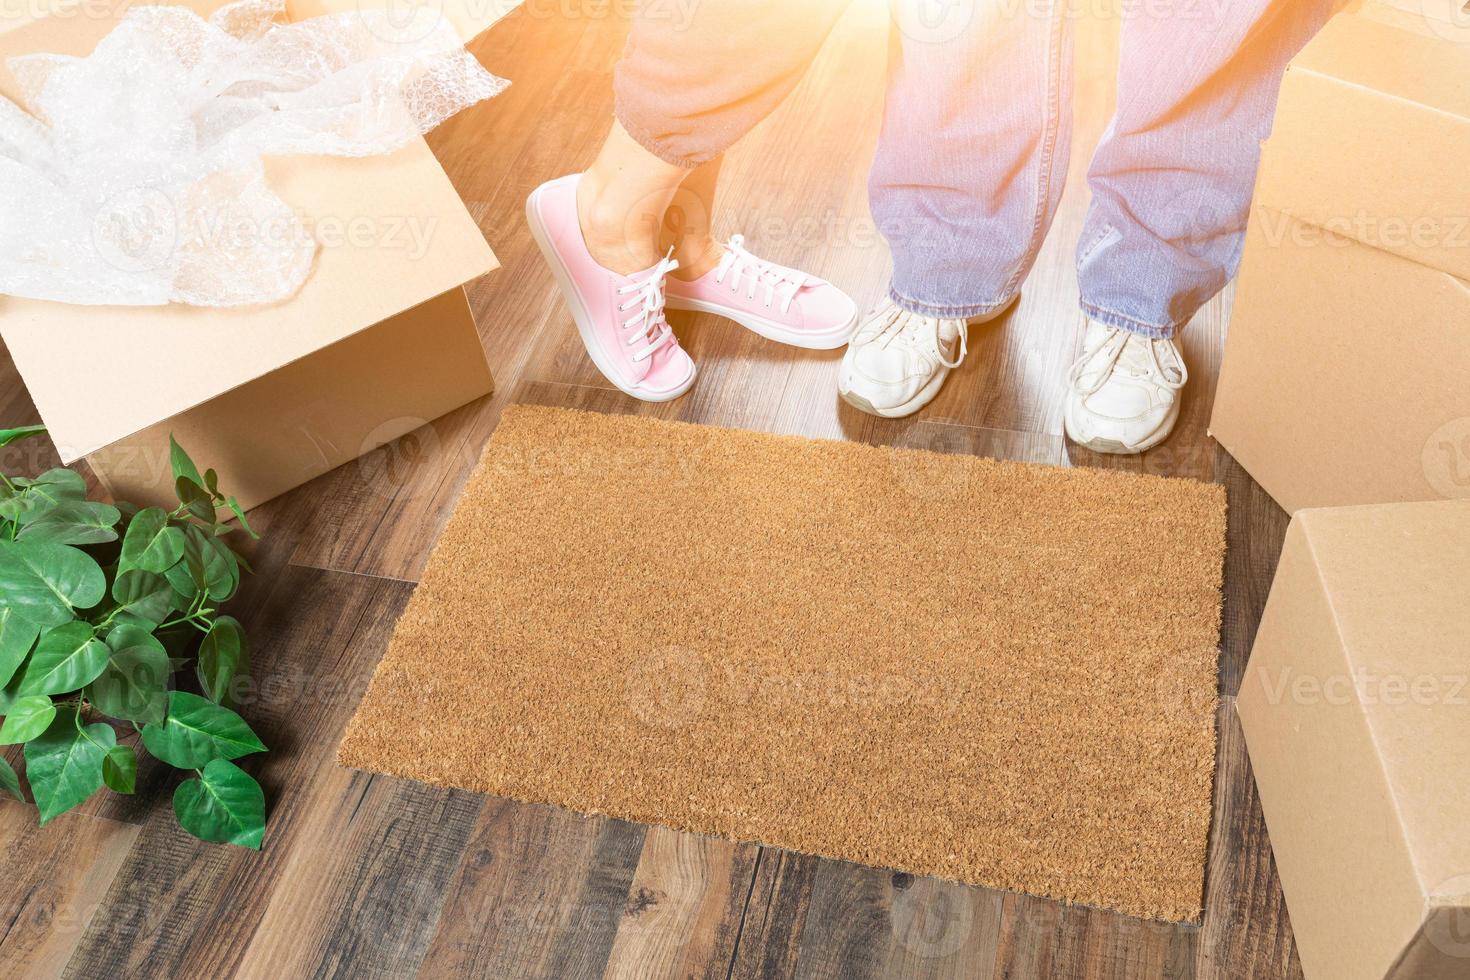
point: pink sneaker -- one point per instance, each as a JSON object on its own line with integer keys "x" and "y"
{"x": 780, "y": 304}
{"x": 620, "y": 318}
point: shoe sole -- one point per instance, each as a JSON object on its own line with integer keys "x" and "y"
{"x": 768, "y": 329}
{"x": 925, "y": 396}
{"x": 578, "y": 308}
{"x": 1113, "y": 447}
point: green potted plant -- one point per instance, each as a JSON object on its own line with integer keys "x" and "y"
{"x": 101, "y": 605}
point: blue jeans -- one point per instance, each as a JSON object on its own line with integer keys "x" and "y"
{"x": 977, "y": 132}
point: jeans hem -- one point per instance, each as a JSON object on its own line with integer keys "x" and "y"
{"x": 1122, "y": 321}
{"x": 945, "y": 311}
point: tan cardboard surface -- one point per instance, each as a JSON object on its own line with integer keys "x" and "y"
{"x": 1370, "y": 138}
{"x": 394, "y": 234}
{"x": 1449, "y": 19}
{"x": 1398, "y": 579}
{"x": 323, "y": 410}
{"x": 1345, "y": 372}
{"x": 1355, "y": 711}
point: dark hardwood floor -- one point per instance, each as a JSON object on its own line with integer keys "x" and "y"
{"x": 368, "y": 876}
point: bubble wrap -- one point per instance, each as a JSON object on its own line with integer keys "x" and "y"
{"x": 136, "y": 176}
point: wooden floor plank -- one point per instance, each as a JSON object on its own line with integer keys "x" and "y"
{"x": 367, "y": 904}
{"x": 540, "y": 895}
{"x": 52, "y": 880}
{"x": 684, "y": 909}
{"x": 183, "y": 908}
{"x": 1247, "y": 932}
{"x": 1255, "y": 531}
{"x": 769, "y": 942}
{"x": 869, "y": 922}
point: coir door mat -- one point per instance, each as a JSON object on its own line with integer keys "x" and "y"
{"x": 995, "y": 672}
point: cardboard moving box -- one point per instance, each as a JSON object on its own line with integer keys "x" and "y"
{"x": 1346, "y": 376}
{"x": 1356, "y": 710}
{"x": 378, "y": 341}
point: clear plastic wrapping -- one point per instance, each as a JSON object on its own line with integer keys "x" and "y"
{"x": 136, "y": 176}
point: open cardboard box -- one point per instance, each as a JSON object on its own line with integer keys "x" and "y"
{"x": 1356, "y": 711}
{"x": 378, "y": 341}
{"x": 1345, "y": 371}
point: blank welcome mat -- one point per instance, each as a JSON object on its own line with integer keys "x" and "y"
{"x": 995, "y": 672}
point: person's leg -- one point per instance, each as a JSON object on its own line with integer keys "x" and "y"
{"x": 1172, "y": 179}
{"x": 621, "y": 202}
{"x": 969, "y": 172}
{"x": 1171, "y": 184}
{"x": 973, "y": 153}
{"x": 690, "y": 84}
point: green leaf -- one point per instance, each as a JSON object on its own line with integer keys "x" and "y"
{"x": 194, "y": 498}
{"x": 64, "y": 765}
{"x": 49, "y": 489}
{"x": 220, "y": 655}
{"x": 151, "y": 543}
{"x": 223, "y": 806}
{"x": 74, "y": 522}
{"x": 9, "y": 694}
{"x": 67, "y": 658}
{"x": 27, "y": 718}
{"x": 183, "y": 466}
{"x": 239, "y": 513}
{"x": 45, "y": 582}
{"x": 197, "y": 731}
{"x": 143, "y": 595}
{"x": 17, "y": 636}
{"x": 208, "y": 566}
{"x": 120, "y": 769}
{"x": 211, "y": 483}
{"x": 7, "y": 436}
{"x": 134, "y": 684}
{"x": 9, "y": 781}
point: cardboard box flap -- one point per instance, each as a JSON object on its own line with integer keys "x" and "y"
{"x": 1370, "y": 138}
{"x": 392, "y": 234}
{"x": 1448, "y": 19}
{"x": 1398, "y": 581}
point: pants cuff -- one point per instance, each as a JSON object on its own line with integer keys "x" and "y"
{"x": 1122, "y": 321}
{"x": 653, "y": 145}
{"x": 945, "y": 311}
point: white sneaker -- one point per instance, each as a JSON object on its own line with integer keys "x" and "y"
{"x": 897, "y": 361}
{"x": 1124, "y": 390}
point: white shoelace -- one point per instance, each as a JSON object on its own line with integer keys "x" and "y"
{"x": 914, "y": 332}
{"x": 739, "y": 266}
{"x": 649, "y": 324}
{"x": 1114, "y": 345}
